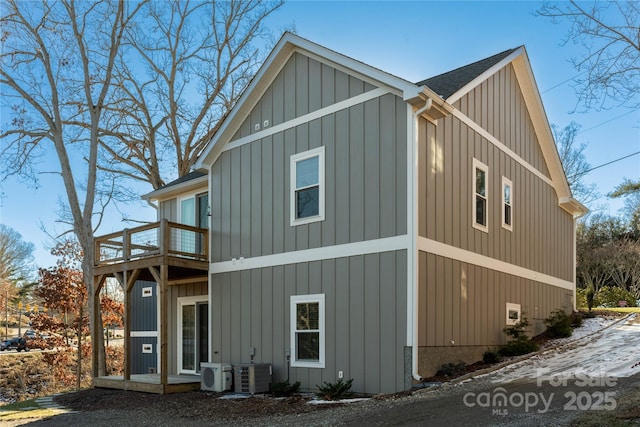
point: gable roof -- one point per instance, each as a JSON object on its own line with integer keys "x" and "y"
{"x": 446, "y": 84}
{"x": 288, "y": 45}
{"x": 439, "y": 93}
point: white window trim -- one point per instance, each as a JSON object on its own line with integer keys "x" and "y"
{"x": 292, "y": 184}
{"x": 296, "y": 299}
{"x": 479, "y": 165}
{"x": 506, "y": 182}
{"x": 512, "y": 307}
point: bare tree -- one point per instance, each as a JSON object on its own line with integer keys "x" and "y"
{"x": 574, "y": 162}
{"x": 187, "y": 65}
{"x": 609, "y": 34}
{"x": 16, "y": 256}
{"x": 56, "y": 76}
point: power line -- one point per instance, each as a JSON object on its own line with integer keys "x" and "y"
{"x": 607, "y": 121}
{"x": 561, "y": 83}
{"x": 604, "y": 164}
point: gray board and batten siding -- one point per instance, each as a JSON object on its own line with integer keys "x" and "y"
{"x": 365, "y": 199}
{"x": 445, "y": 181}
{"x": 463, "y": 306}
{"x": 365, "y": 168}
{"x": 365, "y": 312}
{"x": 144, "y": 321}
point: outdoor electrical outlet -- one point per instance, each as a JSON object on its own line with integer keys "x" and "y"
{"x": 287, "y": 353}
{"x": 252, "y": 351}
{"x": 340, "y": 375}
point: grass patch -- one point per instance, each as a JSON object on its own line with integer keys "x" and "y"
{"x": 618, "y": 309}
{"x": 20, "y": 406}
{"x": 25, "y": 409}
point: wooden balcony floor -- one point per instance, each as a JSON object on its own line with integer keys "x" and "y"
{"x": 150, "y": 383}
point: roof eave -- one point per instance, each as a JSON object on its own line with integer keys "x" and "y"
{"x": 165, "y": 193}
{"x": 573, "y": 206}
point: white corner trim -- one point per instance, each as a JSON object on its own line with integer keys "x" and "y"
{"x": 463, "y": 255}
{"x": 349, "y": 102}
{"x": 493, "y": 140}
{"x": 317, "y": 254}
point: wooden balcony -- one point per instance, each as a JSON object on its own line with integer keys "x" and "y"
{"x": 183, "y": 248}
{"x": 167, "y": 253}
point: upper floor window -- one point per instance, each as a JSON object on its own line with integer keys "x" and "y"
{"x": 507, "y": 204}
{"x": 194, "y": 210}
{"x": 307, "y": 186}
{"x": 480, "y": 196}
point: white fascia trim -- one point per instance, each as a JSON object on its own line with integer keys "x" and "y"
{"x": 493, "y": 140}
{"x": 143, "y": 334}
{"x": 484, "y": 76}
{"x": 359, "y": 99}
{"x": 317, "y": 254}
{"x": 462, "y": 255}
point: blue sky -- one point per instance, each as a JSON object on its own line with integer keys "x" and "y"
{"x": 412, "y": 40}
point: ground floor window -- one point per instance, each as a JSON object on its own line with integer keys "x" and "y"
{"x": 513, "y": 313}
{"x": 307, "y": 331}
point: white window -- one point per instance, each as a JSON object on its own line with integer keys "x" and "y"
{"x": 480, "y": 196}
{"x": 507, "y": 204}
{"x": 194, "y": 211}
{"x": 307, "y": 331}
{"x": 513, "y": 313}
{"x": 307, "y": 186}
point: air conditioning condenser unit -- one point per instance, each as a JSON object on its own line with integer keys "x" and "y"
{"x": 252, "y": 378}
{"x": 215, "y": 376}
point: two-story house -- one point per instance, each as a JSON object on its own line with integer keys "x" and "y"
{"x": 359, "y": 225}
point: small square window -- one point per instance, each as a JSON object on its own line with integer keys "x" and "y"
{"x": 307, "y": 187}
{"x": 513, "y": 313}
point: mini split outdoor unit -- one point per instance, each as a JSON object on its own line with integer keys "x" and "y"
{"x": 215, "y": 377}
{"x": 252, "y": 378}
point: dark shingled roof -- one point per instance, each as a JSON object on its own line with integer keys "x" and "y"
{"x": 185, "y": 178}
{"x": 450, "y": 82}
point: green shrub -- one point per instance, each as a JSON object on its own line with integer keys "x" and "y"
{"x": 518, "y": 348}
{"x": 335, "y": 391}
{"x": 609, "y": 296}
{"x": 576, "y": 319}
{"x": 491, "y": 356}
{"x": 452, "y": 369}
{"x": 558, "y": 324}
{"x": 284, "y": 389}
{"x": 520, "y": 343}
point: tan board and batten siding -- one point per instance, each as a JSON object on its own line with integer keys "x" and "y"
{"x": 462, "y": 304}
{"x": 365, "y": 199}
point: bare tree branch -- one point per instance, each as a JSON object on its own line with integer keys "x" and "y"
{"x": 609, "y": 33}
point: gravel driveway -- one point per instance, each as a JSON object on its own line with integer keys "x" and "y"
{"x": 587, "y": 379}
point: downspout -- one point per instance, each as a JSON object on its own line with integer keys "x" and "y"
{"x": 413, "y": 230}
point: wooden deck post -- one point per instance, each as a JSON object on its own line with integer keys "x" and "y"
{"x": 127, "y": 326}
{"x": 164, "y": 323}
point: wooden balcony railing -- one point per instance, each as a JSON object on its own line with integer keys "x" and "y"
{"x": 160, "y": 238}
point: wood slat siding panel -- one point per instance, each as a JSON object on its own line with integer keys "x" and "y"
{"x": 356, "y": 173}
{"x": 481, "y": 315}
{"x": 365, "y": 329}
{"x": 371, "y": 186}
{"x": 365, "y": 184}
{"x": 542, "y": 231}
